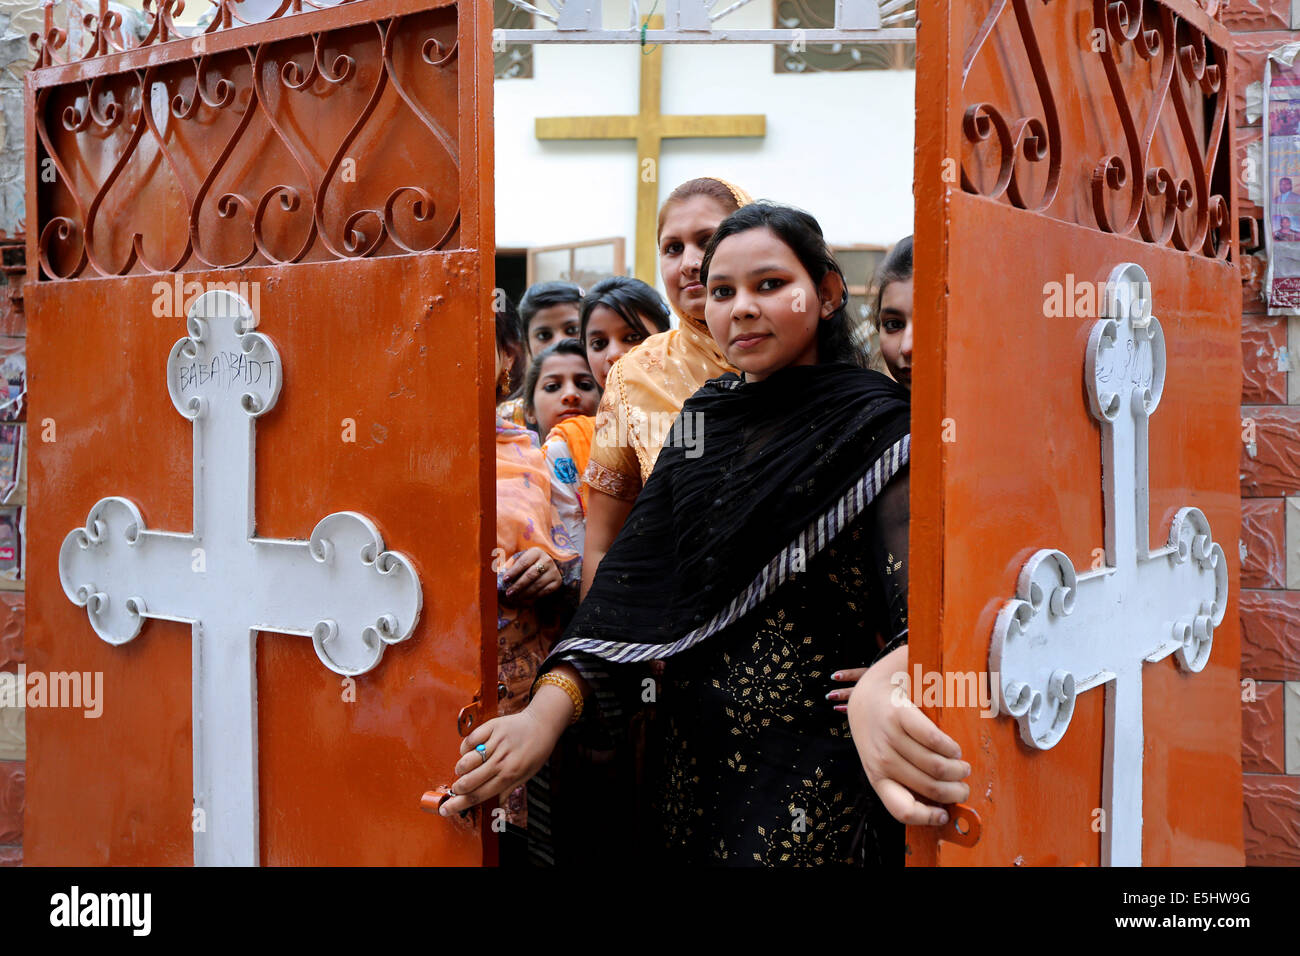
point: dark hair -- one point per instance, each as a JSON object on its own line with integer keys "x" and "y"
{"x": 508, "y": 337}
{"x": 630, "y": 299}
{"x": 543, "y": 295}
{"x": 895, "y": 267}
{"x": 802, "y": 233}
{"x": 715, "y": 189}
{"x": 562, "y": 347}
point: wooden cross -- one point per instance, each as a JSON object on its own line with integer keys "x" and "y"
{"x": 340, "y": 588}
{"x": 1066, "y": 633}
{"x": 649, "y": 128}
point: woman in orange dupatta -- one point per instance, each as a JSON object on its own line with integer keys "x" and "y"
{"x": 530, "y": 536}
{"x": 535, "y": 563}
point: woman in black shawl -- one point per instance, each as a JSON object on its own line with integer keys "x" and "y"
{"x": 767, "y": 549}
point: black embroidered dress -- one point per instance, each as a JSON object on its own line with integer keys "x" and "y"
{"x": 756, "y": 567}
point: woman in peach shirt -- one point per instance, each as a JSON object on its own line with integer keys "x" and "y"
{"x": 646, "y": 388}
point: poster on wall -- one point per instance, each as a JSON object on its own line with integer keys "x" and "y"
{"x": 13, "y": 378}
{"x": 11, "y": 549}
{"x": 1280, "y": 187}
{"x": 11, "y": 465}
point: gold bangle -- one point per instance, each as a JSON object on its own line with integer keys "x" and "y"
{"x": 570, "y": 687}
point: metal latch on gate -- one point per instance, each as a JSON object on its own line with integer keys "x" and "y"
{"x": 469, "y": 716}
{"x": 466, "y": 720}
{"x": 964, "y": 826}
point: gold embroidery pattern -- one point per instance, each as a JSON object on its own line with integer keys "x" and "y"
{"x": 851, "y": 579}
{"x": 769, "y": 682}
{"x": 680, "y": 807}
{"x": 817, "y": 828}
{"x": 611, "y": 482}
{"x": 617, "y": 385}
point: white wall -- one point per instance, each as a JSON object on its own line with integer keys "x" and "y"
{"x": 838, "y": 145}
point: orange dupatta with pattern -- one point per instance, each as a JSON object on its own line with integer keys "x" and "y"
{"x": 525, "y": 516}
{"x": 577, "y": 433}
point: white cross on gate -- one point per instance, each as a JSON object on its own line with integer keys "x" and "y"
{"x": 1066, "y": 633}
{"x": 340, "y": 587}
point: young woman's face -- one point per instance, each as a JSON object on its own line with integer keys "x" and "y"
{"x": 896, "y": 330}
{"x": 763, "y": 308}
{"x": 688, "y": 226}
{"x": 549, "y": 325}
{"x": 608, "y": 337}
{"x": 565, "y": 388}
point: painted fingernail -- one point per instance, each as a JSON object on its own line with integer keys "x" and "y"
{"x": 842, "y": 708}
{"x": 836, "y": 675}
{"x": 831, "y": 695}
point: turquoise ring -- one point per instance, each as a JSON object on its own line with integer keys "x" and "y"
{"x": 481, "y": 749}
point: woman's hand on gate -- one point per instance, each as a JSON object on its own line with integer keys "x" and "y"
{"x": 515, "y": 748}
{"x": 907, "y": 758}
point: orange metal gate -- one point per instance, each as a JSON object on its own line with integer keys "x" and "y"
{"x": 332, "y": 167}
{"x": 1055, "y": 142}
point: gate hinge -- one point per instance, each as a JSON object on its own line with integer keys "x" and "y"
{"x": 469, "y": 716}
{"x": 963, "y": 827}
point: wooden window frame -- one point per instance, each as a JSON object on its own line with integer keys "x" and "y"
{"x": 620, "y": 254}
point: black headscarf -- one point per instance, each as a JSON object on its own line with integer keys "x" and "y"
{"x": 755, "y": 479}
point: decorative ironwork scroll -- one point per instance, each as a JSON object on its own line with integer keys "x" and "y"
{"x": 339, "y": 141}
{"x": 105, "y": 26}
{"x": 1107, "y": 113}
